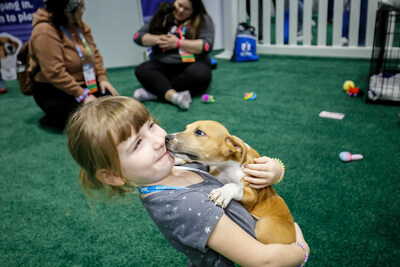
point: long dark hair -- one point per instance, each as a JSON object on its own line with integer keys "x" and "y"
{"x": 56, "y": 10}
{"x": 199, "y": 12}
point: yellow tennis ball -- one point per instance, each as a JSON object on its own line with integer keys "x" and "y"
{"x": 348, "y": 85}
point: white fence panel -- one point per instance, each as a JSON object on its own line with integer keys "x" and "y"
{"x": 300, "y": 37}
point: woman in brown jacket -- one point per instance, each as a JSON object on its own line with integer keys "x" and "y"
{"x": 71, "y": 71}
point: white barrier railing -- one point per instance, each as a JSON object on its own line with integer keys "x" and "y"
{"x": 235, "y": 12}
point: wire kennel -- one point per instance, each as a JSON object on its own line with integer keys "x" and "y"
{"x": 384, "y": 80}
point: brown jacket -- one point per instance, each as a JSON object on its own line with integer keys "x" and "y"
{"x": 58, "y": 58}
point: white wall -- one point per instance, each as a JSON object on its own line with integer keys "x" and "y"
{"x": 114, "y": 23}
{"x": 214, "y": 9}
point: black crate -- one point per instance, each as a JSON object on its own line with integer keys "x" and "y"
{"x": 384, "y": 79}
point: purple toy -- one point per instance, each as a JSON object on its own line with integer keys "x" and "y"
{"x": 346, "y": 156}
{"x": 207, "y": 98}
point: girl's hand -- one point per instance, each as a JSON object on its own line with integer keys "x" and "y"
{"x": 263, "y": 173}
{"x": 105, "y": 85}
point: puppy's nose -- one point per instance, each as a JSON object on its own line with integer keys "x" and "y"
{"x": 168, "y": 138}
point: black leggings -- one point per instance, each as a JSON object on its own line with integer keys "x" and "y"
{"x": 57, "y": 104}
{"x": 158, "y": 78}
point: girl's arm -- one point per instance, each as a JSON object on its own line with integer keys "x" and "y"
{"x": 231, "y": 241}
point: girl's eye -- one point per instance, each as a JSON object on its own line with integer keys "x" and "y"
{"x": 137, "y": 144}
{"x": 199, "y": 133}
{"x": 151, "y": 124}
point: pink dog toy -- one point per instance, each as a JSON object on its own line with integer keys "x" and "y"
{"x": 346, "y": 156}
{"x": 207, "y": 98}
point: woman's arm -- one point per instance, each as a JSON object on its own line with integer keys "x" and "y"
{"x": 170, "y": 41}
{"x": 202, "y": 44}
{"x": 231, "y": 241}
{"x": 151, "y": 39}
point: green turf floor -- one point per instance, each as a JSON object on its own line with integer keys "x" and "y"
{"x": 349, "y": 212}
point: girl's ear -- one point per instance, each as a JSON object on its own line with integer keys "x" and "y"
{"x": 109, "y": 177}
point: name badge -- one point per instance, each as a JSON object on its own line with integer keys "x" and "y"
{"x": 90, "y": 77}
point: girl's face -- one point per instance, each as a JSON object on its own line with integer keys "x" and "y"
{"x": 143, "y": 157}
{"x": 183, "y": 10}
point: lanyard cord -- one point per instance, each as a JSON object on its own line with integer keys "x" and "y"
{"x": 157, "y": 188}
{"x": 83, "y": 39}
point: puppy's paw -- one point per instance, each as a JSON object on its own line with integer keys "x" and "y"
{"x": 221, "y": 197}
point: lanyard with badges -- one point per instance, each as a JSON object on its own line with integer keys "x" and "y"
{"x": 88, "y": 69}
{"x": 185, "y": 56}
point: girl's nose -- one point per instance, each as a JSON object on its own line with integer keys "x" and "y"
{"x": 159, "y": 142}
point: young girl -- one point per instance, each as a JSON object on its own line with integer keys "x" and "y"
{"x": 119, "y": 147}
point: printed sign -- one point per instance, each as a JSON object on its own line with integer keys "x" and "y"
{"x": 15, "y": 29}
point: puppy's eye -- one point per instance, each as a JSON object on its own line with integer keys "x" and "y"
{"x": 199, "y": 133}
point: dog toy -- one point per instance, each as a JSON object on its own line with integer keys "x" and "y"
{"x": 351, "y": 89}
{"x": 347, "y": 156}
{"x": 348, "y": 85}
{"x": 2, "y": 88}
{"x": 207, "y": 98}
{"x": 250, "y": 96}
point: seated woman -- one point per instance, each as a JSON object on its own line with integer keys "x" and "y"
{"x": 71, "y": 68}
{"x": 179, "y": 67}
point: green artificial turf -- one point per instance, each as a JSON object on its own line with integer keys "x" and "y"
{"x": 349, "y": 212}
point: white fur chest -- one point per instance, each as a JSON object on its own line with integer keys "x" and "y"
{"x": 228, "y": 172}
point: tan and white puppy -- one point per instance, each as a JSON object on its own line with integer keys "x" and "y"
{"x": 210, "y": 143}
{"x": 9, "y": 46}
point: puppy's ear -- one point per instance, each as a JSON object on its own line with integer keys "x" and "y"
{"x": 110, "y": 178}
{"x": 237, "y": 148}
{"x": 15, "y": 44}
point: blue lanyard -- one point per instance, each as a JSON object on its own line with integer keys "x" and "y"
{"x": 157, "y": 188}
{"x": 83, "y": 41}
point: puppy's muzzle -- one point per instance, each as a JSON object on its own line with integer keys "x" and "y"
{"x": 168, "y": 138}
{"x": 9, "y": 49}
{"x": 175, "y": 148}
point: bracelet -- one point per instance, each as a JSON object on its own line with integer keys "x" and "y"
{"x": 283, "y": 170}
{"x": 305, "y": 250}
{"x": 83, "y": 96}
{"x": 178, "y": 43}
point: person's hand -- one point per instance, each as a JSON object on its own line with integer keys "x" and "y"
{"x": 168, "y": 41}
{"x": 263, "y": 173}
{"x": 90, "y": 98}
{"x": 105, "y": 85}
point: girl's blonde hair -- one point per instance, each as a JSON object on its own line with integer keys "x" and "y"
{"x": 94, "y": 132}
